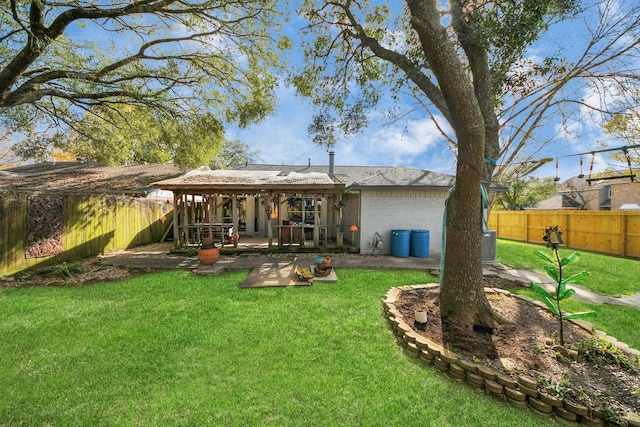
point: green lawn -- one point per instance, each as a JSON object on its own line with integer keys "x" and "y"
{"x": 609, "y": 275}
{"x": 173, "y": 348}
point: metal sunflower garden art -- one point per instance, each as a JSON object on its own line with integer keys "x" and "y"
{"x": 553, "y": 237}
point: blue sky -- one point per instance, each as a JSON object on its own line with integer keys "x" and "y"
{"x": 283, "y": 138}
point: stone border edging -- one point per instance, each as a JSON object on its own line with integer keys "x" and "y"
{"x": 522, "y": 392}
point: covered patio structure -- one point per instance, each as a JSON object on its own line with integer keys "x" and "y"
{"x": 302, "y": 209}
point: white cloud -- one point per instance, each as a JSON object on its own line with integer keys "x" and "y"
{"x": 283, "y": 139}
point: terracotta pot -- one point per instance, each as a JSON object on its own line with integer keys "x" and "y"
{"x": 326, "y": 262}
{"x": 208, "y": 256}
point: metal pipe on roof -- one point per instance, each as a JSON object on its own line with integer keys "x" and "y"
{"x": 332, "y": 166}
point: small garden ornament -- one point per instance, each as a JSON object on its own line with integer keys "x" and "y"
{"x": 553, "y": 237}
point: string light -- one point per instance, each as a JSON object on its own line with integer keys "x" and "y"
{"x": 535, "y": 164}
{"x": 581, "y": 175}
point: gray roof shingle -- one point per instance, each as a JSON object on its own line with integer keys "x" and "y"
{"x": 85, "y": 178}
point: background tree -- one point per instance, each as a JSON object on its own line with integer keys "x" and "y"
{"x": 120, "y": 135}
{"x": 8, "y": 159}
{"x": 234, "y": 154}
{"x": 626, "y": 126}
{"x": 455, "y": 59}
{"x": 59, "y": 60}
{"x": 526, "y": 192}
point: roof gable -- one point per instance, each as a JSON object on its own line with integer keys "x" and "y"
{"x": 404, "y": 177}
{"x": 346, "y": 174}
{"x": 357, "y": 177}
{"x": 251, "y": 181}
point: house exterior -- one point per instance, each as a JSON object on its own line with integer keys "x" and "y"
{"x": 361, "y": 208}
{"x": 378, "y": 199}
{"x": 599, "y": 193}
{"x": 401, "y": 198}
{"x": 289, "y": 206}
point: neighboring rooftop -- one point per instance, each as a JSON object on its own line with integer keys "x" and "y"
{"x": 85, "y": 178}
{"x": 559, "y": 201}
{"x": 581, "y": 183}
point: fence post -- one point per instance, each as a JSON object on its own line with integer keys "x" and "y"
{"x": 623, "y": 230}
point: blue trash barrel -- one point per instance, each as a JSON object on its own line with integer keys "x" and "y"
{"x": 400, "y": 243}
{"x": 420, "y": 243}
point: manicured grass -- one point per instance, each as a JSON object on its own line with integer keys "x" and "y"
{"x": 173, "y": 348}
{"x": 608, "y": 275}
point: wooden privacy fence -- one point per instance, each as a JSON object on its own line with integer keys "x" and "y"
{"x": 49, "y": 229}
{"x": 609, "y": 232}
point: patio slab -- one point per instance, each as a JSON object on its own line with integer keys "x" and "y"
{"x": 273, "y": 274}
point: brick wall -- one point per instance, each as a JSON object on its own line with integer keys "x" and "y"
{"x": 384, "y": 210}
{"x": 624, "y": 193}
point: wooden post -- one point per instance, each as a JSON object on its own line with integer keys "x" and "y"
{"x": 210, "y": 214}
{"x": 234, "y": 208}
{"x": 339, "y": 230}
{"x": 176, "y": 217}
{"x": 623, "y": 232}
{"x": 316, "y": 222}
{"x": 269, "y": 226}
{"x": 279, "y": 219}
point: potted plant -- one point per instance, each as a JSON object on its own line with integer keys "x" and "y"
{"x": 208, "y": 254}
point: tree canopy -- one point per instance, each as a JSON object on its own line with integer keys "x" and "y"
{"x": 67, "y": 62}
{"x": 626, "y": 126}
{"x": 464, "y": 62}
{"x": 535, "y": 97}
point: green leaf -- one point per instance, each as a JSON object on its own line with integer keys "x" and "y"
{"x": 575, "y": 277}
{"x": 540, "y": 291}
{"x": 569, "y": 259}
{"x": 547, "y": 298}
{"x": 552, "y": 307}
{"x": 566, "y": 294}
{"x": 579, "y": 315}
{"x": 552, "y": 271}
{"x": 544, "y": 256}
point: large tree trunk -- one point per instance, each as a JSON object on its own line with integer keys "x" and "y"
{"x": 462, "y": 295}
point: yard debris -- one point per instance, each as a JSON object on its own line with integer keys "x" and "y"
{"x": 304, "y": 274}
